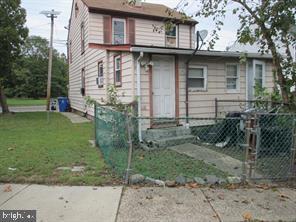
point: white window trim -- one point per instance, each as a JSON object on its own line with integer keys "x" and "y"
{"x": 100, "y": 80}
{"x": 119, "y": 20}
{"x": 258, "y": 62}
{"x": 205, "y": 88}
{"x": 177, "y": 38}
{"x": 237, "y": 90}
{"x": 115, "y": 70}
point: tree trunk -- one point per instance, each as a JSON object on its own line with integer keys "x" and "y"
{"x": 3, "y": 101}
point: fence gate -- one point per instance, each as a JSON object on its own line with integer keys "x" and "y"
{"x": 271, "y": 145}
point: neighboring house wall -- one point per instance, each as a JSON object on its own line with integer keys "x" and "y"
{"x": 76, "y": 60}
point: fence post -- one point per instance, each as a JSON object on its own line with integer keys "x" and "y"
{"x": 130, "y": 152}
{"x": 293, "y": 151}
{"x": 96, "y": 124}
{"x": 216, "y": 108}
{"x": 247, "y": 147}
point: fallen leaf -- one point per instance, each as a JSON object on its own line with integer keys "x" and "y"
{"x": 247, "y": 216}
{"x": 221, "y": 196}
{"x": 283, "y": 196}
{"x": 263, "y": 186}
{"x": 7, "y": 189}
{"x": 245, "y": 201}
{"x": 149, "y": 197}
{"x": 191, "y": 185}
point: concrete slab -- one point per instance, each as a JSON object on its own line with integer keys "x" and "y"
{"x": 7, "y": 191}
{"x": 75, "y": 118}
{"x": 221, "y": 161}
{"x": 165, "y": 204}
{"x": 26, "y": 109}
{"x": 68, "y": 204}
{"x": 262, "y": 205}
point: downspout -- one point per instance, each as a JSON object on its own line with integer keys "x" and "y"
{"x": 247, "y": 84}
{"x": 139, "y": 96}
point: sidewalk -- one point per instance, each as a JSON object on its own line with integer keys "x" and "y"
{"x": 207, "y": 205}
{"x": 26, "y": 109}
{"x": 63, "y": 204}
{"x": 101, "y": 204}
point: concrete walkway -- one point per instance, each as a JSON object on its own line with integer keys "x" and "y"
{"x": 63, "y": 204}
{"x": 26, "y": 109}
{"x": 221, "y": 161}
{"x": 75, "y": 118}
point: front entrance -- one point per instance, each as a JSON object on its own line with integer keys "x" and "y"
{"x": 163, "y": 86}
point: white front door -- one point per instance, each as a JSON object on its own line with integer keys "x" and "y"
{"x": 163, "y": 86}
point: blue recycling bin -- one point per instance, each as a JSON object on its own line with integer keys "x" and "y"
{"x": 63, "y": 104}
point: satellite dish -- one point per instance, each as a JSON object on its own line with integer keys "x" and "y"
{"x": 203, "y": 34}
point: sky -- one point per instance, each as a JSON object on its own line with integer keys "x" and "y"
{"x": 38, "y": 24}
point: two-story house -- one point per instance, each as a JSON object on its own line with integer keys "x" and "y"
{"x": 115, "y": 43}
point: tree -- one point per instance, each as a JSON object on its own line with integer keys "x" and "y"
{"x": 12, "y": 36}
{"x": 30, "y": 71}
{"x": 274, "y": 29}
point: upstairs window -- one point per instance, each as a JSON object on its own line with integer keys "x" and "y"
{"x": 100, "y": 79}
{"x": 118, "y": 31}
{"x": 232, "y": 77}
{"x": 171, "y": 36}
{"x": 197, "y": 78}
{"x": 82, "y": 38}
{"x": 117, "y": 71}
{"x": 82, "y": 90}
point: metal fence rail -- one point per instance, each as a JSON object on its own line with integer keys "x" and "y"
{"x": 224, "y": 107}
{"x": 254, "y": 147}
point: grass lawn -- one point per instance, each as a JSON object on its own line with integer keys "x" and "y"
{"x": 163, "y": 164}
{"x": 35, "y": 149}
{"x": 26, "y": 102}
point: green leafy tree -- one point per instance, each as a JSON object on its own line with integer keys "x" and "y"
{"x": 30, "y": 71}
{"x": 273, "y": 23}
{"x": 12, "y": 35}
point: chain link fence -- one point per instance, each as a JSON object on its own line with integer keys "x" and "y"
{"x": 253, "y": 146}
{"x": 272, "y": 144}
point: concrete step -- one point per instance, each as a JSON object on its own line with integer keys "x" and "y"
{"x": 173, "y": 141}
{"x": 158, "y": 134}
{"x": 160, "y": 124}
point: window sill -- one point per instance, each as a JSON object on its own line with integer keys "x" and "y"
{"x": 233, "y": 92}
{"x": 118, "y": 85}
{"x": 197, "y": 90}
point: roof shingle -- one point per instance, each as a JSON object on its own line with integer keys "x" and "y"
{"x": 146, "y": 10}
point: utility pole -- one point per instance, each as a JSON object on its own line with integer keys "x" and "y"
{"x": 52, "y": 15}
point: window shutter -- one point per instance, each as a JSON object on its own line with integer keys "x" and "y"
{"x": 131, "y": 32}
{"x": 107, "y": 29}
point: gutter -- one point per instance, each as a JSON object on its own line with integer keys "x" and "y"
{"x": 139, "y": 96}
{"x": 176, "y": 51}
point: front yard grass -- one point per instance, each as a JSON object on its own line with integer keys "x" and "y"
{"x": 26, "y": 102}
{"x": 31, "y": 150}
{"x": 163, "y": 164}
